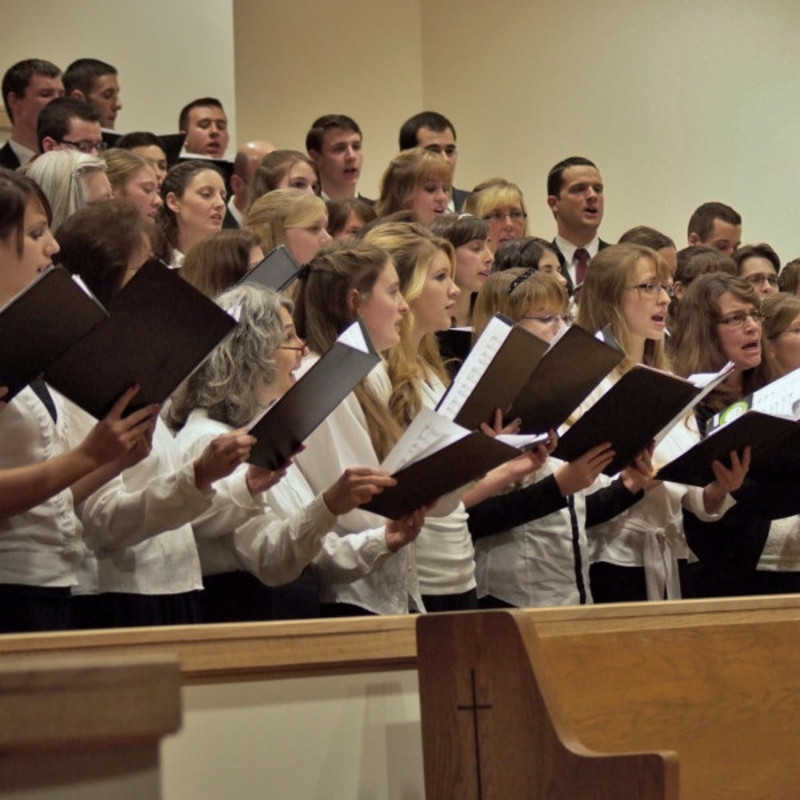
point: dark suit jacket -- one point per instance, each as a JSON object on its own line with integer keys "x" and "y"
{"x": 8, "y": 158}
{"x": 563, "y": 264}
{"x": 229, "y": 223}
{"x": 459, "y": 198}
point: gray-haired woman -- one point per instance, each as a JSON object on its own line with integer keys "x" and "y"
{"x": 270, "y": 537}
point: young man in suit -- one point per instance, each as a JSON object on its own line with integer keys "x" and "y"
{"x": 716, "y": 225}
{"x": 70, "y": 124}
{"x": 575, "y": 196}
{"x": 206, "y": 127}
{"x": 28, "y": 87}
{"x": 334, "y": 143}
{"x": 434, "y": 132}
{"x": 96, "y": 83}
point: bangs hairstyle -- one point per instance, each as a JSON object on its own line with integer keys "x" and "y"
{"x": 122, "y": 165}
{"x": 495, "y": 193}
{"x": 16, "y": 191}
{"x": 323, "y": 310}
{"x": 696, "y": 340}
{"x": 272, "y": 213}
{"x": 229, "y": 382}
{"x": 215, "y": 264}
{"x": 274, "y": 167}
{"x": 413, "y": 249}
{"x": 460, "y": 229}
{"x": 780, "y": 311}
{"x": 178, "y": 179}
{"x": 610, "y": 272}
{"x": 407, "y": 171}
{"x": 537, "y": 291}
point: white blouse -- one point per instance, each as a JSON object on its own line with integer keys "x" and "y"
{"x": 444, "y": 551}
{"x": 342, "y": 441}
{"x": 275, "y": 535}
{"x": 137, "y": 527}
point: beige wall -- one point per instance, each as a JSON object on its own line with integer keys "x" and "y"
{"x": 296, "y": 61}
{"x": 166, "y": 53}
{"x": 677, "y": 103}
{"x": 321, "y": 737}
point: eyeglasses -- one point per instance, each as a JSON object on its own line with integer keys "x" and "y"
{"x": 760, "y": 278}
{"x": 652, "y": 288}
{"x": 86, "y": 145}
{"x": 299, "y": 347}
{"x": 515, "y": 215}
{"x": 737, "y": 319}
{"x": 549, "y": 319}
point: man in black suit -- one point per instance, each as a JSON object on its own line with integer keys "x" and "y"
{"x": 97, "y": 83}
{"x": 434, "y": 132}
{"x": 575, "y": 196}
{"x": 28, "y": 87}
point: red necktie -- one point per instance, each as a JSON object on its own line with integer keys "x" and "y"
{"x": 581, "y": 259}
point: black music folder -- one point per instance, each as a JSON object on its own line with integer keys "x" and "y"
{"x": 160, "y": 330}
{"x": 493, "y": 374}
{"x": 630, "y": 415}
{"x": 295, "y": 416}
{"x": 765, "y": 420}
{"x": 433, "y": 458}
{"x": 278, "y": 270}
{"x": 454, "y": 347}
{"x": 41, "y": 323}
{"x": 564, "y": 377}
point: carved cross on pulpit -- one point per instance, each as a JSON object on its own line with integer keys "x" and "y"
{"x": 475, "y": 707}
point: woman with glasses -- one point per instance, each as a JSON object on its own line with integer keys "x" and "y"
{"x": 530, "y": 543}
{"x": 419, "y": 181}
{"x": 755, "y": 548}
{"x": 502, "y": 205}
{"x": 635, "y": 554}
{"x": 292, "y": 217}
{"x": 759, "y": 265}
{"x": 70, "y": 180}
{"x": 269, "y": 538}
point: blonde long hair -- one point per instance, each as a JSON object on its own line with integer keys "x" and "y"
{"x": 609, "y": 274}
{"x": 412, "y": 248}
{"x": 271, "y": 214}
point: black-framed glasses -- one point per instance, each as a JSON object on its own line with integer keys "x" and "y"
{"x": 760, "y": 278}
{"x": 87, "y": 146}
{"x": 652, "y": 288}
{"x": 736, "y": 319}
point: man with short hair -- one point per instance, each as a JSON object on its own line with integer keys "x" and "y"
{"x": 334, "y": 144}
{"x": 70, "y": 124}
{"x": 716, "y": 225}
{"x": 248, "y": 160}
{"x": 28, "y": 86}
{"x": 206, "y": 127}
{"x": 96, "y": 83}
{"x": 434, "y": 132}
{"x": 575, "y": 196}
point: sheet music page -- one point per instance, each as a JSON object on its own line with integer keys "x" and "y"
{"x": 780, "y": 397}
{"x": 427, "y": 433}
{"x": 353, "y": 337}
{"x": 706, "y": 382}
{"x": 523, "y": 441}
{"x": 474, "y": 367}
